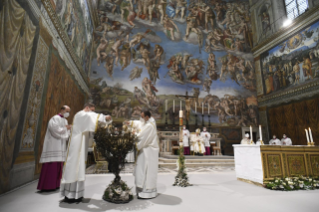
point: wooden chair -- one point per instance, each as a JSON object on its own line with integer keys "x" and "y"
{"x": 175, "y": 146}
{"x": 212, "y": 145}
{"x": 101, "y": 163}
{"x": 217, "y": 150}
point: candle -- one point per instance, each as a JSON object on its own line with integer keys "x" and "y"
{"x": 251, "y": 133}
{"x": 202, "y": 108}
{"x": 208, "y": 109}
{"x": 166, "y": 105}
{"x": 260, "y": 133}
{"x": 180, "y": 103}
{"x": 181, "y": 114}
{"x": 310, "y": 135}
{"x": 174, "y": 106}
{"x": 307, "y": 135}
{"x": 195, "y": 107}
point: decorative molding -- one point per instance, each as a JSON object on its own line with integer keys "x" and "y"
{"x": 35, "y": 96}
{"x": 25, "y": 157}
{"x": 94, "y": 12}
{"x": 285, "y": 32}
{"x": 308, "y": 90}
{"x": 64, "y": 37}
{"x": 258, "y": 74}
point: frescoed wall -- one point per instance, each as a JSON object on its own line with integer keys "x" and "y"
{"x": 292, "y": 63}
{"x": 76, "y": 21}
{"x": 147, "y": 52}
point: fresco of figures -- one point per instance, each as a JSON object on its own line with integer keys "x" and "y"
{"x": 76, "y": 21}
{"x": 292, "y": 63}
{"x": 150, "y": 53}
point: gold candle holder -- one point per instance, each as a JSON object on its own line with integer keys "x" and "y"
{"x": 252, "y": 142}
{"x": 312, "y": 143}
{"x": 309, "y": 144}
{"x": 261, "y": 142}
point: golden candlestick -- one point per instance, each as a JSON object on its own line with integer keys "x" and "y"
{"x": 261, "y": 142}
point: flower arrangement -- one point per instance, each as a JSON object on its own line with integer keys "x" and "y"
{"x": 118, "y": 193}
{"x": 181, "y": 178}
{"x": 293, "y": 183}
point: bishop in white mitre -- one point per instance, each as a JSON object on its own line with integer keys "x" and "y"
{"x": 54, "y": 150}
{"x": 146, "y": 167}
{"x": 186, "y": 140}
{"x": 274, "y": 141}
{"x": 285, "y": 140}
{"x": 73, "y": 177}
{"x": 198, "y": 143}
{"x": 245, "y": 140}
{"x": 206, "y": 137}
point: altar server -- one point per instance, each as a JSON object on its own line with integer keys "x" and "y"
{"x": 245, "y": 140}
{"x": 274, "y": 141}
{"x": 54, "y": 150}
{"x": 186, "y": 141}
{"x": 73, "y": 177}
{"x": 146, "y": 168}
{"x": 206, "y": 137}
{"x": 285, "y": 140}
{"x": 198, "y": 143}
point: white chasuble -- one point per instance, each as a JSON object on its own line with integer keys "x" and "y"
{"x": 198, "y": 144}
{"x": 206, "y": 137}
{"x": 54, "y": 146}
{"x": 146, "y": 168}
{"x": 74, "y": 166}
{"x": 185, "y": 138}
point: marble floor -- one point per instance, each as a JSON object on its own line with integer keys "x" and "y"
{"x": 216, "y": 190}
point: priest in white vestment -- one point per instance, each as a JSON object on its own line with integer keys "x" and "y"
{"x": 54, "y": 150}
{"x": 146, "y": 167}
{"x": 285, "y": 140}
{"x": 245, "y": 140}
{"x": 206, "y": 137}
{"x": 73, "y": 177}
{"x": 274, "y": 141}
{"x": 186, "y": 141}
{"x": 198, "y": 143}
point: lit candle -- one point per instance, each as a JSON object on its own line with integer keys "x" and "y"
{"x": 195, "y": 107}
{"x": 310, "y": 134}
{"x": 203, "y": 108}
{"x": 180, "y": 103}
{"x": 174, "y": 106}
{"x": 307, "y": 135}
{"x": 260, "y": 133}
{"x": 251, "y": 133}
{"x": 181, "y": 114}
{"x": 166, "y": 105}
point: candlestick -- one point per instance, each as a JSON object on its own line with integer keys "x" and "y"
{"x": 195, "y": 107}
{"x": 310, "y": 134}
{"x": 181, "y": 114}
{"x": 174, "y": 106}
{"x": 180, "y": 104}
{"x": 208, "y": 110}
{"x": 251, "y": 133}
{"x": 166, "y": 125}
{"x": 307, "y": 136}
{"x": 202, "y": 108}
{"x": 260, "y": 133}
{"x": 166, "y": 105}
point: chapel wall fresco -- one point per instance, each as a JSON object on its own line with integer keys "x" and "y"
{"x": 147, "y": 52}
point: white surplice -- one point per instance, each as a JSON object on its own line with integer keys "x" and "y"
{"x": 245, "y": 141}
{"x": 73, "y": 177}
{"x": 275, "y": 141}
{"x": 198, "y": 144}
{"x": 286, "y": 141}
{"x": 146, "y": 167}
{"x": 185, "y": 138}
{"x": 54, "y": 146}
{"x": 206, "y": 137}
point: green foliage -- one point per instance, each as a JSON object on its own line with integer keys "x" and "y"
{"x": 293, "y": 183}
{"x": 181, "y": 178}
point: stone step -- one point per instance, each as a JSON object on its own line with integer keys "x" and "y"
{"x": 223, "y": 161}
{"x": 188, "y": 165}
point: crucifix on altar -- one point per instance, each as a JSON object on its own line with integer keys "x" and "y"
{"x": 187, "y": 105}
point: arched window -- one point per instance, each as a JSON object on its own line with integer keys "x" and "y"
{"x": 295, "y": 8}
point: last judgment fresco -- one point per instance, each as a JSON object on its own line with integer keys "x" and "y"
{"x": 148, "y": 54}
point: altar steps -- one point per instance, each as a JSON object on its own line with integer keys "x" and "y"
{"x": 190, "y": 163}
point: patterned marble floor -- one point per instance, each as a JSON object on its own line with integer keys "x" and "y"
{"x": 129, "y": 167}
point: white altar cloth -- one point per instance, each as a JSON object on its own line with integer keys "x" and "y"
{"x": 248, "y": 164}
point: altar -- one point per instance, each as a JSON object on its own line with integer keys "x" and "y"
{"x": 256, "y": 164}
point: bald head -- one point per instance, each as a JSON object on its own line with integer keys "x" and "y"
{"x": 65, "y": 111}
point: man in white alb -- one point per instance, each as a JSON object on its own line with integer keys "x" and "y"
{"x": 245, "y": 140}
{"x": 186, "y": 141}
{"x": 146, "y": 167}
{"x": 73, "y": 177}
{"x": 274, "y": 141}
{"x": 285, "y": 140}
{"x": 206, "y": 137}
{"x": 198, "y": 143}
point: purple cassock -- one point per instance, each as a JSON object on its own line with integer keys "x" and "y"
{"x": 186, "y": 150}
{"x": 207, "y": 150}
{"x": 51, "y": 174}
